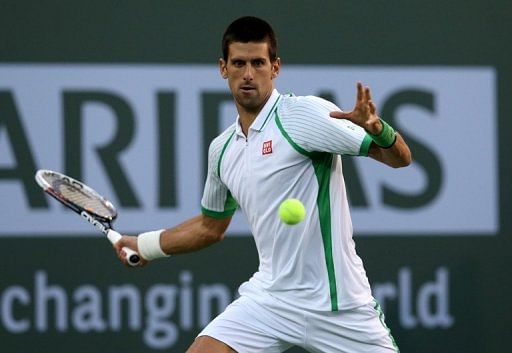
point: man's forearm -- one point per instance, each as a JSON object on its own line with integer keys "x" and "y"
{"x": 398, "y": 155}
{"x": 192, "y": 235}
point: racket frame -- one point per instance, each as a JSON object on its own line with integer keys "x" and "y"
{"x": 102, "y": 223}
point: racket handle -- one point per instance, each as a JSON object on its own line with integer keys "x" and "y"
{"x": 132, "y": 257}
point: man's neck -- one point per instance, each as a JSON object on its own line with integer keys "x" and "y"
{"x": 247, "y": 117}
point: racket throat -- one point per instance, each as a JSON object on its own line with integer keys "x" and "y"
{"x": 94, "y": 222}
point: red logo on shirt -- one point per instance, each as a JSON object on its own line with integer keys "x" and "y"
{"x": 267, "y": 147}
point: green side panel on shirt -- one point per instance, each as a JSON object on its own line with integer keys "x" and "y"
{"x": 322, "y": 164}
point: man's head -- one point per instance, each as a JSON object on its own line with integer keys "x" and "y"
{"x": 250, "y": 29}
{"x": 249, "y": 62}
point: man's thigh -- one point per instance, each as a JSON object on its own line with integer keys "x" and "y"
{"x": 358, "y": 330}
{"x": 248, "y": 327}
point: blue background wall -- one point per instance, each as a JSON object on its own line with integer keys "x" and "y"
{"x": 369, "y": 33}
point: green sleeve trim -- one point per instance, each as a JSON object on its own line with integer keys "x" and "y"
{"x": 230, "y": 203}
{"x": 217, "y": 215}
{"x": 365, "y": 145}
{"x": 230, "y": 207}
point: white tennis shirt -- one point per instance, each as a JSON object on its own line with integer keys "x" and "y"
{"x": 293, "y": 150}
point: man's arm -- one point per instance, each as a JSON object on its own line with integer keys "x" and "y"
{"x": 396, "y": 156}
{"x": 192, "y": 235}
{"x": 365, "y": 115}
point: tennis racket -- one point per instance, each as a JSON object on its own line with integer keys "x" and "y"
{"x": 90, "y": 205}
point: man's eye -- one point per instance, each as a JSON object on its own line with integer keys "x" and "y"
{"x": 238, "y": 63}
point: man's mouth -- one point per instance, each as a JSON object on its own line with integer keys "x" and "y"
{"x": 247, "y": 88}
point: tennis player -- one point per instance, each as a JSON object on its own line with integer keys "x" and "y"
{"x": 311, "y": 289}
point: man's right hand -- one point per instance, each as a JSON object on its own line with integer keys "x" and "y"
{"x": 129, "y": 242}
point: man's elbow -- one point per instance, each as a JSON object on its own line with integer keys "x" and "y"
{"x": 213, "y": 236}
{"x": 407, "y": 160}
{"x": 214, "y": 229}
{"x": 402, "y": 162}
{"x": 402, "y": 154}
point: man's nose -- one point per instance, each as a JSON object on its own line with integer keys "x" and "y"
{"x": 248, "y": 73}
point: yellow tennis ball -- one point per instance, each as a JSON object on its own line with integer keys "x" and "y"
{"x": 292, "y": 211}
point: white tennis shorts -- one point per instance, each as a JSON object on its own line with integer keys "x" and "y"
{"x": 248, "y": 326}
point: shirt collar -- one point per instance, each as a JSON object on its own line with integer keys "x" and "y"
{"x": 264, "y": 115}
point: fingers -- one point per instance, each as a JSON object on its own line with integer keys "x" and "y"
{"x": 360, "y": 92}
{"x": 363, "y": 93}
{"x": 121, "y": 255}
{"x": 371, "y": 105}
{"x": 365, "y": 101}
{"x": 367, "y": 93}
{"x": 340, "y": 115}
{"x": 129, "y": 242}
{"x": 364, "y": 107}
{"x": 373, "y": 109}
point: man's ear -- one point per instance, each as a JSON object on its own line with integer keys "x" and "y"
{"x": 223, "y": 68}
{"x": 276, "y": 65}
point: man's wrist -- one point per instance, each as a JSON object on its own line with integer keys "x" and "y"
{"x": 149, "y": 247}
{"x": 386, "y": 138}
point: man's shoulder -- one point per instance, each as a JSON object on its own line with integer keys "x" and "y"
{"x": 293, "y": 102}
{"x": 224, "y": 135}
{"x": 218, "y": 142}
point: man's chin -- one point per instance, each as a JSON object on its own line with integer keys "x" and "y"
{"x": 249, "y": 103}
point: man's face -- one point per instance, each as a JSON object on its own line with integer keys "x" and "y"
{"x": 250, "y": 74}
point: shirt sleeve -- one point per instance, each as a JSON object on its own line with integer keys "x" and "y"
{"x": 306, "y": 120}
{"x": 217, "y": 201}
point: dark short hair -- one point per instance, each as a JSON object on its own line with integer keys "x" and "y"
{"x": 250, "y": 29}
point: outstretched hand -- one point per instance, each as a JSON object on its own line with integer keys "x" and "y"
{"x": 364, "y": 113}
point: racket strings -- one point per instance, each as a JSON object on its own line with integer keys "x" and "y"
{"x": 80, "y": 197}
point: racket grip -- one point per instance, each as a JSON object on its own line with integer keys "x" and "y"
{"x": 132, "y": 257}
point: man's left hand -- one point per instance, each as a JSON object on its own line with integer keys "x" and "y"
{"x": 364, "y": 113}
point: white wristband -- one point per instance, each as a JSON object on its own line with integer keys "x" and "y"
{"x": 149, "y": 245}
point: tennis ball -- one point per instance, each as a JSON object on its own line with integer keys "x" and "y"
{"x": 292, "y": 211}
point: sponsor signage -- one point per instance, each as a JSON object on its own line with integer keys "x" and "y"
{"x": 139, "y": 134}
{"x": 161, "y": 314}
